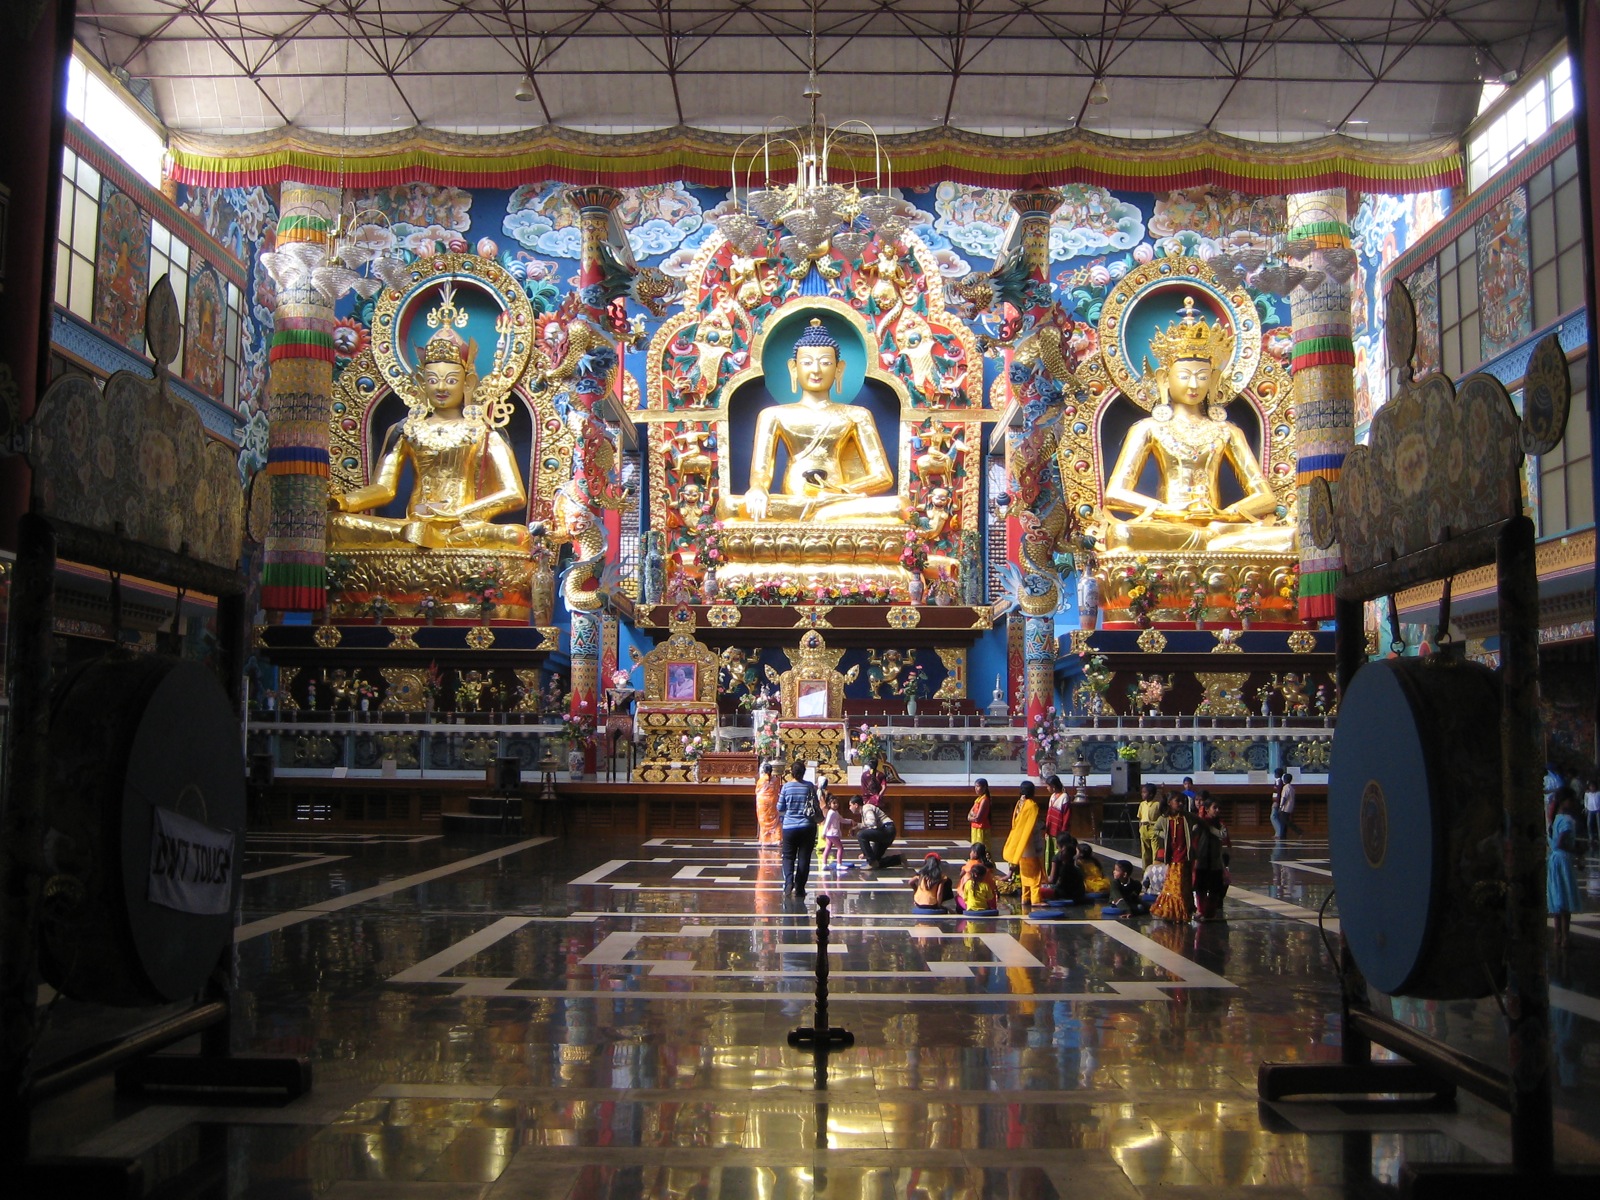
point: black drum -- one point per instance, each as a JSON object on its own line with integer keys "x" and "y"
{"x": 1414, "y": 826}
{"x": 143, "y": 832}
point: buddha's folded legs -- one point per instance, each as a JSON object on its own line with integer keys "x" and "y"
{"x": 782, "y": 507}
{"x": 366, "y": 532}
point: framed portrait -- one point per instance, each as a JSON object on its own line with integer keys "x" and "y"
{"x": 682, "y": 678}
{"x": 811, "y": 698}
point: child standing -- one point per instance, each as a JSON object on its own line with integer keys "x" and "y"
{"x": 978, "y": 814}
{"x": 832, "y": 835}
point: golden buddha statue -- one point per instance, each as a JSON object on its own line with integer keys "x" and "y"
{"x": 464, "y": 474}
{"x": 838, "y": 470}
{"x": 1190, "y": 437}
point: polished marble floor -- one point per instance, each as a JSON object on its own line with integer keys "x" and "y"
{"x": 606, "y": 1019}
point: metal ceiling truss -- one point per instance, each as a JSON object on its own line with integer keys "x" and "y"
{"x": 456, "y": 63}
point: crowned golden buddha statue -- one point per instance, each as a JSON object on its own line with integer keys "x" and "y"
{"x": 463, "y": 471}
{"x": 1189, "y": 436}
{"x": 838, "y": 469}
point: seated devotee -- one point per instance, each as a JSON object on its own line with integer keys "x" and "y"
{"x": 978, "y": 895}
{"x": 931, "y": 886}
{"x": 1094, "y": 876}
{"x": 1127, "y": 898}
{"x": 874, "y": 832}
{"x": 1064, "y": 882}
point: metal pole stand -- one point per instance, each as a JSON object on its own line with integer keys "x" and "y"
{"x": 821, "y": 1038}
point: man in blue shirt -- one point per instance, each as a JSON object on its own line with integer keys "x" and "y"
{"x": 797, "y": 808}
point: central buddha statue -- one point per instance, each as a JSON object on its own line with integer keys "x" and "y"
{"x": 838, "y": 470}
{"x": 463, "y": 470}
{"x": 1190, "y": 437}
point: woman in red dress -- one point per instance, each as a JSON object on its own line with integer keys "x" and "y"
{"x": 1176, "y": 902}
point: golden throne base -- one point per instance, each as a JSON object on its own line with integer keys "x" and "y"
{"x": 834, "y": 555}
{"x": 1221, "y": 573}
{"x": 402, "y": 577}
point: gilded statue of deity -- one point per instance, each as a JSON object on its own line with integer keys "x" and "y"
{"x": 463, "y": 470}
{"x": 838, "y": 469}
{"x": 1190, "y": 437}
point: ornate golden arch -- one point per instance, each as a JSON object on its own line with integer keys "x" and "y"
{"x": 1252, "y": 375}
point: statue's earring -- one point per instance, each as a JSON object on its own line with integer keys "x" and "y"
{"x": 1162, "y": 411}
{"x": 794, "y": 376}
{"x": 1217, "y": 412}
{"x": 838, "y": 381}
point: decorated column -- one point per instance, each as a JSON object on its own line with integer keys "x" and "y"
{"x": 591, "y": 474}
{"x": 299, "y": 385}
{"x": 1034, "y": 472}
{"x": 1324, "y": 378}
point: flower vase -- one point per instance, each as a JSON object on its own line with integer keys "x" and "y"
{"x": 709, "y": 587}
{"x": 364, "y": 703}
{"x": 911, "y": 706}
{"x": 1244, "y": 622}
{"x": 428, "y": 617}
{"x": 919, "y": 589}
{"x": 576, "y": 761}
{"x": 1047, "y": 767}
{"x": 1199, "y": 623}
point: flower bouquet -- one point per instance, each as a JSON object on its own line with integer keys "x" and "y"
{"x": 868, "y": 745}
{"x": 578, "y": 729}
{"x": 1246, "y": 602}
{"x": 1144, "y": 590}
{"x": 1197, "y": 605}
{"x": 691, "y": 748}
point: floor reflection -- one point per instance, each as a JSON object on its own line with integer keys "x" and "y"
{"x": 592, "y": 1018}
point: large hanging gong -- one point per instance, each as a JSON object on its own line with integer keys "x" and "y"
{"x": 1414, "y": 826}
{"x": 144, "y": 830}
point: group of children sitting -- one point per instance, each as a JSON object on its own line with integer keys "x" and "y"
{"x": 1074, "y": 877}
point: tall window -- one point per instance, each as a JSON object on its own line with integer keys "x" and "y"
{"x": 130, "y": 131}
{"x": 77, "y": 226}
{"x": 1566, "y": 489}
{"x": 230, "y": 350}
{"x": 170, "y": 257}
{"x": 1535, "y": 105}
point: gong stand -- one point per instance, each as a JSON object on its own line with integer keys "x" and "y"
{"x": 24, "y": 1083}
{"x": 1431, "y": 1065}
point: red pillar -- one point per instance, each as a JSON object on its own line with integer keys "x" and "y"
{"x": 34, "y": 51}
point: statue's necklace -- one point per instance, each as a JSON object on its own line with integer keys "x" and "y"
{"x": 1191, "y": 438}
{"x": 432, "y": 435}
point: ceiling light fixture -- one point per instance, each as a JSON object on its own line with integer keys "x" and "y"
{"x": 813, "y": 215}
{"x": 1099, "y": 93}
{"x": 525, "y": 91}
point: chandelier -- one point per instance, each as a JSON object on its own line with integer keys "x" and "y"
{"x": 356, "y": 254}
{"x": 814, "y": 213}
{"x": 1270, "y": 262}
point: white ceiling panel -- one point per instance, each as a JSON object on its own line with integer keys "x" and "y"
{"x": 257, "y": 64}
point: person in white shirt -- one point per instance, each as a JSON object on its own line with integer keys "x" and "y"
{"x": 1283, "y": 809}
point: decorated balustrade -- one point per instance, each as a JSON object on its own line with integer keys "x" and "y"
{"x": 943, "y": 748}
{"x": 319, "y": 744}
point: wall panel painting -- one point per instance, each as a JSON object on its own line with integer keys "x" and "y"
{"x": 1424, "y": 287}
{"x": 121, "y": 267}
{"x": 206, "y": 327}
{"x": 1505, "y": 293}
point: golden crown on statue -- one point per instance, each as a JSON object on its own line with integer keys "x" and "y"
{"x": 1192, "y": 338}
{"x": 448, "y": 346}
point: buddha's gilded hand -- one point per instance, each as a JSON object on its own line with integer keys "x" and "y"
{"x": 755, "y": 504}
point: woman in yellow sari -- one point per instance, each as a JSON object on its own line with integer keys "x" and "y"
{"x": 1176, "y": 902}
{"x": 767, "y": 786}
{"x": 1025, "y": 844}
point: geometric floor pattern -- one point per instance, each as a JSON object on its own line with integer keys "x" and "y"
{"x": 598, "y": 1019}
